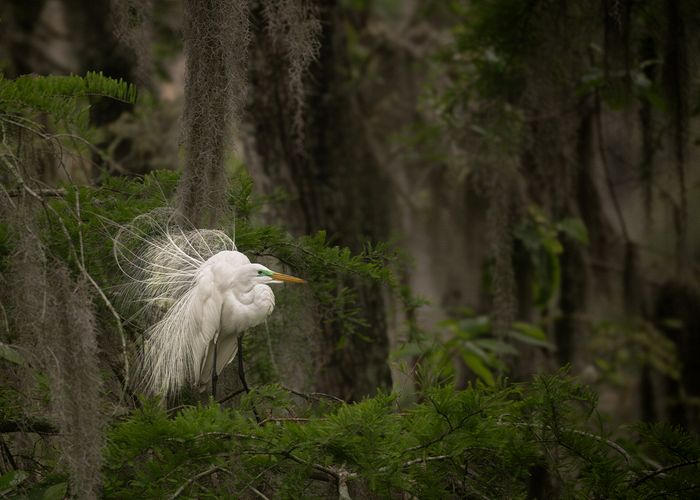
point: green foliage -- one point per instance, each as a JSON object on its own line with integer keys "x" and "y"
{"x": 486, "y": 441}
{"x": 471, "y": 339}
{"x": 620, "y": 88}
{"x": 330, "y": 270}
{"x": 7, "y": 353}
{"x": 91, "y": 217}
{"x": 83, "y": 222}
{"x": 76, "y": 225}
{"x": 620, "y": 348}
{"x": 492, "y": 40}
{"x": 480, "y": 442}
{"x": 11, "y": 481}
{"x": 540, "y": 240}
{"x": 17, "y": 484}
{"x": 671, "y": 464}
{"x": 59, "y": 96}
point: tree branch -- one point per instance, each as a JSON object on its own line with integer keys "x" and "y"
{"x": 197, "y": 477}
{"x": 314, "y": 395}
{"x": 662, "y": 470}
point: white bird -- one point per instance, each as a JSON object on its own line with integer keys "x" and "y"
{"x": 201, "y": 295}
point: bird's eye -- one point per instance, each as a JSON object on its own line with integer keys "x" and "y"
{"x": 260, "y": 273}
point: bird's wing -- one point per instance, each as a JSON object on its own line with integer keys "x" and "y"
{"x": 176, "y": 345}
{"x": 208, "y": 310}
{"x": 218, "y": 266}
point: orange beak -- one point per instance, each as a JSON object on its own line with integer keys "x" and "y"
{"x": 286, "y": 277}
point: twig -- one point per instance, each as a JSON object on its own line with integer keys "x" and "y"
{"x": 318, "y": 467}
{"x": 342, "y": 267}
{"x": 444, "y": 434}
{"x": 288, "y": 419}
{"x": 442, "y": 414}
{"x": 260, "y": 474}
{"x": 196, "y": 477}
{"x": 204, "y": 434}
{"x": 313, "y": 395}
{"x": 257, "y": 492}
{"x": 343, "y": 493}
{"x": 426, "y": 459}
{"x": 611, "y": 444}
{"x": 661, "y": 470}
{"x": 171, "y": 411}
{"x": 668, "y": 493}
{"x": 339, "y": 475}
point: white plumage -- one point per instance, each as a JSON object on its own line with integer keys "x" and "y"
{"x": 198, "y": 292}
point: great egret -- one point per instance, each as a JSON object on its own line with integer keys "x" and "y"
{"x": 201, "y": 295}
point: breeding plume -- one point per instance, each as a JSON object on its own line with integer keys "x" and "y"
{"x": 199, "y": 295}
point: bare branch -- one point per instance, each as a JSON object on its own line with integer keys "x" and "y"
{"x": 257, "y": 492}
{"x": 313, "y": 395}
{"x": 662, "y": 470}
{"x": 426, "y": 459}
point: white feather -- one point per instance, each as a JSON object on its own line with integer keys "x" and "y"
{"x": 194, "y": 289}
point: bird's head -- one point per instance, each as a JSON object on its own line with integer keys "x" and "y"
{"x": 260, "y": 274}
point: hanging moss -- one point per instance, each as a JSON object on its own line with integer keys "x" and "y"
{"x": 133, "y": 27}
{"x": 53, "y": 324}
{"x": 295, "y": 29}
{"x": 69, "y": 344}
{"x": 217, "y": 36}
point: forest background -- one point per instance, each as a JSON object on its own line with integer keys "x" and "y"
{"x": 492, "y": 202}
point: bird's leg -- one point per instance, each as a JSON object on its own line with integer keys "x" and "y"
{"x": 241, "y": 371}
{"x": 214, "y": 376}
{"x": 241, "y": 374}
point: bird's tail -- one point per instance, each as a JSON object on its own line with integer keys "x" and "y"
{"x": 161, "y": 257}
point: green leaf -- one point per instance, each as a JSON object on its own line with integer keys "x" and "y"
{"x": 673, "y": 323}
{"x": 548, "y": 279}
{"x": 530, "y": 334}
{"x": 530, "y": 330}
{"x": 407, "y": 350}
{"x": 551, "y": 244}
{"x": 55, "y": 492}
{"x": 496, "y": 346}
{"x": 529, "y": 340}
{"x": 574, "y": 228}
{"x": 478, "y": 326}
{"x": 472, "y": 347}
{"x": 10, "y": 481}
{"x": 478, "y": 367}
{"x": 9, "y": 354}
